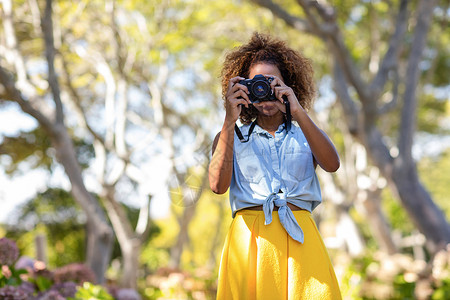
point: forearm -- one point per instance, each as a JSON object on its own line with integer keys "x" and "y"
{"x": 321, "y": 146}
{"x": 221, "y": 166}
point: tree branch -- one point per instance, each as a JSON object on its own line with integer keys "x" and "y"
{"x": 394, "y": 98}
{"x": 408, "y": 120}
{"x": 117, "y": 215}
{"x": 390, "y": 58}
{"x": 47, "y": 30}
{"x": 16, "y": 96}
{"x": 76, "y": 101}
{"x": 143, "y": 225}
{"x": 11, "y": 51}
{"x": 292, "y": 21}
{"x": 328, "y": 30}
{"x": 348, "y": 105}
{"x": 122, "y": 103}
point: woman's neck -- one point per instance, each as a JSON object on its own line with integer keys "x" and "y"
{"x": 270, "y": 123}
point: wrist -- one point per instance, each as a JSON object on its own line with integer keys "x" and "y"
{"x": 228, "y": 124}
{"x": 298, "y": 114}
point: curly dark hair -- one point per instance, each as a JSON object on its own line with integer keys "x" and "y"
{"x": 296, "y": 70}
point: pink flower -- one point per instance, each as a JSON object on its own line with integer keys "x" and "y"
{"x": 8, "y": 252}
{"x": 75, "y": 272}
{"x": 13, "y": 293}
{"x": 52, "y": 295}
{"x": 128, "y": 294}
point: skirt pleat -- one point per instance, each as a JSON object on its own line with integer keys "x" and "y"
{"x": 263, "y": 262}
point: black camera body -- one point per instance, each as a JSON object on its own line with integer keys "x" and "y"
{"x": 259, "y": 88}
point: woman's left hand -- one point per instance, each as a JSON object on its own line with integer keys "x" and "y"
{"x": 280, "y": 89}
{"x": 324, "y": 152}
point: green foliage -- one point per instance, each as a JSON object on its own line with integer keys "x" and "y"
{"x": 355, "y": 274}
{"x": 396, "y": 214}
{"x": 13, "y": 277}
{"x": 91, "y": 291}
{"x": 34, "y": 148}
{"x": 152, "y": 293}
{"x": 43, "y": 283}
{"x": 442, "y": 291}
{"x": 152, "y": 258}
{"x": 31, "y": 146}
{"x": 207, "y": 231}
{"x": 434, "y": 174}
{"x": 431, "y": 114}
{"x": 437, "y": 56}
{"x": 403, "y": 289}
{"x": 52, "y": 213}
{"x": 364, "y": 230}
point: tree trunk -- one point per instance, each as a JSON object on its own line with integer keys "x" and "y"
{"x": 378, "y": 224}
{"x": 404, "y": 182}
{"x": 41, "y": 247}
{"x": 348, "y": 233}
{"x": 99, "y": 233}
{"x": 130, "y": 258}
{"x": 99, "y": 247}
{"x": 428, "y": 218}
{"x": 129, "y": 241}
{"x": 190, "y": 197}
{"x": 183, "y": 236}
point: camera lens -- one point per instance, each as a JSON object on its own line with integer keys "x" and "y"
{"x": 260, "y": 89}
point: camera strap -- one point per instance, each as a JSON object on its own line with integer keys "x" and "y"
{"x": 239, "y": 133}
{"x": 287, "y": 123}
{"x": 288, "y": 117}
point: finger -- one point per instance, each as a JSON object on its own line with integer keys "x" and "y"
{"x": 282, "y": 91}
{"x": 238, "y": 95}
{"x": 235, "y": 80}
{"x": 276, "y": 81}
{"x": 277, "y": 91}
{"x": 232, "y": 90}
{"x": 239, "y": 86}
{"x": 239, "y": 101}
{"x": 241, "y": 94}
{"x": 237, "y": 90}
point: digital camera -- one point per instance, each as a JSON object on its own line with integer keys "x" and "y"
{"x": 259, "y": 88}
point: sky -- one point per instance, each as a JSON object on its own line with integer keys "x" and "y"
{"x": 16, "y": 191}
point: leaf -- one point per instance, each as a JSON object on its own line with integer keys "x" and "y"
{"x": 43, "y": 283}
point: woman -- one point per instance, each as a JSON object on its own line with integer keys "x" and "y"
{"x": 273, "y": 249}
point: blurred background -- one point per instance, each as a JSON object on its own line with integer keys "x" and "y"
{"x": 108, "y": 110}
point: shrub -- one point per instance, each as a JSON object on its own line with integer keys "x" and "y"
{"x": 8, "y": 252}
{"x": 36, "y": 282}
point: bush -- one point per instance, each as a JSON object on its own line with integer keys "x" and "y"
{"x": 32, "y": 281}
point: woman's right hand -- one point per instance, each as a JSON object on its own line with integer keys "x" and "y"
{"x": 236, "y": 96}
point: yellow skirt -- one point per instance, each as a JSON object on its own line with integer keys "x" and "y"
{"x": 263, "y": 262}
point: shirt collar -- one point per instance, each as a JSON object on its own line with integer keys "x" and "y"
{"x": 280, "y": 129}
